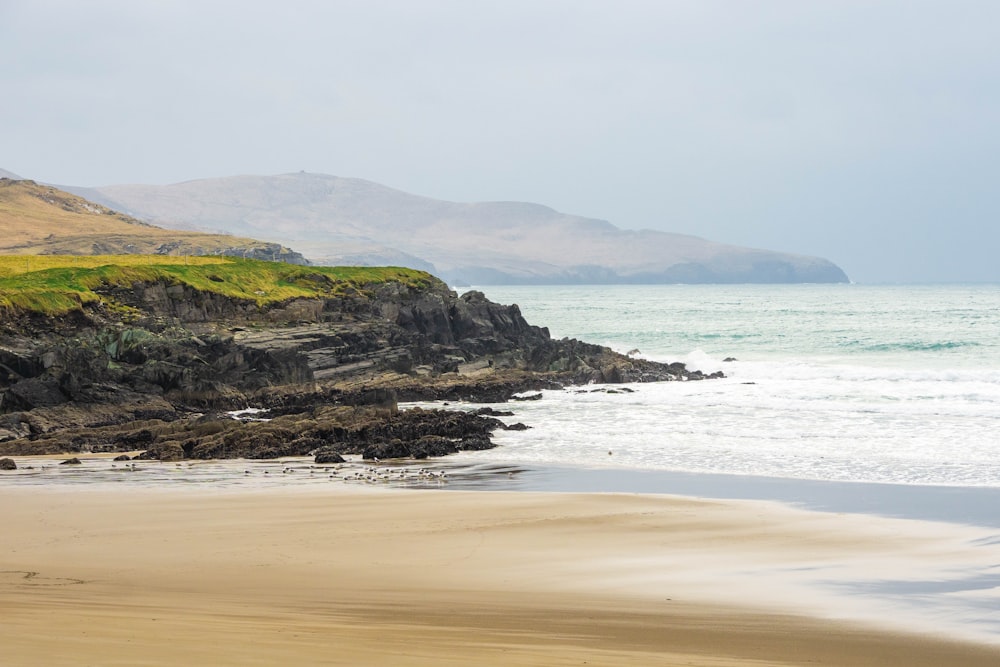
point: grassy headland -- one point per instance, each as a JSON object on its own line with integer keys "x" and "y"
{"x": 57, "y": 284}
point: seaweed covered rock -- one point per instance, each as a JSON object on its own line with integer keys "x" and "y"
{"x": 328, "y": 455}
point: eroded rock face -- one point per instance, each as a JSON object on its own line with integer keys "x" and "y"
{"x": 93, "y": 382}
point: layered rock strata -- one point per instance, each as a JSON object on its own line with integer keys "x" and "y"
{"x": 156, "y": 372}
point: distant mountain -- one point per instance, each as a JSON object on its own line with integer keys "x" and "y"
{"x": 42, "y": 220}
{"x": 9, "y": 174}
{"x": 352, "y": 221}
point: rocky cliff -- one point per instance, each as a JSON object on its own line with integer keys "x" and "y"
{"x": 151, "y": 365}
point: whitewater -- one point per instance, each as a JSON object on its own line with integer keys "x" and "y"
{"x": 846, "y": 383}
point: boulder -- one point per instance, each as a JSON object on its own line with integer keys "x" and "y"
{"x": 476, "y": 443}
{"x": 491, "y": 412}
{"x": 7, "y": 464}
{"x": 432, "y": 445}
{"x": 170, "y": 451}
{"x": 394, "y": 449}
{"x": 328, "y": 455}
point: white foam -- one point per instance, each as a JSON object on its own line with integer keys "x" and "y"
{"x": 852, "y": 426}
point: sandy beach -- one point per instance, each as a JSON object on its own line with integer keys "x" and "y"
{"x": 400, "y": 577}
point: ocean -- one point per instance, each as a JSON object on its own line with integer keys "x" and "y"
{"x": 837, "y": 383}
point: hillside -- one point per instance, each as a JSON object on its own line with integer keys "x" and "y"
{"x": 42, "y": 220}
{"x": 348, "y": 221}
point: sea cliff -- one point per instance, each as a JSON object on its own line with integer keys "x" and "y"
{"x": 150, "y": 356}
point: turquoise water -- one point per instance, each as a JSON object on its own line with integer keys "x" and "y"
{"x": 889, "y": 384}
{"x": 910, "y": 326}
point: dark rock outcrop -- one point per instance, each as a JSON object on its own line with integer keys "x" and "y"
{"x": 328, "y": 455}
{"x": 7, "y": 464}
{"x": 154, "y": 372}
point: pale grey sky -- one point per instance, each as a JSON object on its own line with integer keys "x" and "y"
{"x": 865, "y": 132}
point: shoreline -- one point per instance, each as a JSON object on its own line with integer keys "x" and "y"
{"x": 968, "y": 505}
{"x": 962, "y": 505}
{"x": 358, "y": 575}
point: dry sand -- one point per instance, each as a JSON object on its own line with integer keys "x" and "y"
{"x": 267, "y": 577}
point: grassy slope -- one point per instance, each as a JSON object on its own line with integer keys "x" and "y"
{"x": 38, "y": 219}
{"x": 55, "y": 285}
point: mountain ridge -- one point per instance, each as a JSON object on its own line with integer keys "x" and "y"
{"x": 463, "y": 242}
{"x": 354, "y": 221}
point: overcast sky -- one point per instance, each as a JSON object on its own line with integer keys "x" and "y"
{"x": 865, "y": 132}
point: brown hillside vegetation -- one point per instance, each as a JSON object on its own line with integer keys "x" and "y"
{"x": 42, "y": 220}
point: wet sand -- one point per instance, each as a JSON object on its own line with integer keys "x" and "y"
{"x": 358, "y": 576}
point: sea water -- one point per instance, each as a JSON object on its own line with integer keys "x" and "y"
{"x": 855, "y": 383}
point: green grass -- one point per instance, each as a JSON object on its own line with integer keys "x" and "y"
{"x": 62, "y": 284}
{"x": 14, "y": 264}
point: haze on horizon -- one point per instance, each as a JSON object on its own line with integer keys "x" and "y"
{"x": 862, "y": 132}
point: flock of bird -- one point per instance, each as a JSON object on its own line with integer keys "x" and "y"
{"x": 369, "y": 474}
{"x": 345, "y": 472}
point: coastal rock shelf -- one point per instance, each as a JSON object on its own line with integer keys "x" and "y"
{"x": 150, "y": 363}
